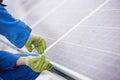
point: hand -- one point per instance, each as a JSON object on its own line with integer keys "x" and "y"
{"x": 38, "y": 64}
{"x": 38, "y": 43}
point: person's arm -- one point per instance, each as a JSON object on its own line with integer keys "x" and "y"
{"x": 7, "y": 60}
{"x": 10, "y": 61}
{"x": 21, "y": 61}
{"x": 16, "y": 31}
{"x": 36, "y": 63}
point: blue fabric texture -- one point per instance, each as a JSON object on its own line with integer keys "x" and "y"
{"x": 19, "y": 73}
{"x": 1, "y": 78}
{"x": 16, "y": 31}
{"x": 7, "y": 60}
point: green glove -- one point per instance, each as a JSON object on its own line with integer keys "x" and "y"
{"x": 38, "y": 43}
{"x": 38, "y": 64}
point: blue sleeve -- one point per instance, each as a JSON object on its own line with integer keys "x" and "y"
{"x": 14, "y": 30}
{"x": 7, "y": 60}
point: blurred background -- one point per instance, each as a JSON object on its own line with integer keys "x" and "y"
{"x": 92, "y": 49}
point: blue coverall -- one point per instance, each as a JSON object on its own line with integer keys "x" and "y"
{"x": 17, "y": 33}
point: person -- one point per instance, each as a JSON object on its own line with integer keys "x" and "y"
{"x": 21, "y": 66}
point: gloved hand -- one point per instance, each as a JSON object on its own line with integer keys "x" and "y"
{"x": 38, "y": 43}
{"x": 38, "y": 63}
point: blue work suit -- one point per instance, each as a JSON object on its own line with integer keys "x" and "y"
{"x": 17, "y": 33}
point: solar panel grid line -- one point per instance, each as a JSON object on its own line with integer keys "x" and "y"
{"x": 73, "y": 28}
{"x": 77, "y": 75}
{"x": 79, "y": 45}
{"x": 96, "y": 60}
{"x": 93, "y": 28}
{"x": 93, "y": 65}
{"x": 99, "y": 75}
{"x": 90, "y": 26}
{"x": 101, "y": 50}
{"x": 95, "y": 48}
{"x": 116, "y": 27}
{"x": 27, "y": 13}
{"x": 93, "y": 68}
{"x": 16, "y": 9}
{"x": 89, "y": 66}
{"x": 60, "y": 24}
{"x": 110, "y": 10}
{"x": 114, "y": 75}
{"x": 86, "y": 67}
{"x": 30, "y": 11}
{"x": 98, "y": 70}
{"x": 101, "y": 26}
{"x": 71, "y": 72}
{"x": 87, "y": 47}
{"x": 44, "y": 17}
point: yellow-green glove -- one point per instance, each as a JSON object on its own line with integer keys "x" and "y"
{"x": 38, "y": 63}
{"x": 38, "y": 43}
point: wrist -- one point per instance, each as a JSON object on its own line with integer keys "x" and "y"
{"x": 21, "y": 61}
{"x": 29, "y": 38}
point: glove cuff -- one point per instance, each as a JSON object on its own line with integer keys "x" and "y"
{"x": 27, "y": 60}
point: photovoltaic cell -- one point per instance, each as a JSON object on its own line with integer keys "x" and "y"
{"x": 92, "y": 49}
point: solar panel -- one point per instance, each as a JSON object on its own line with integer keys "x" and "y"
{"x": 92, "y": 48}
